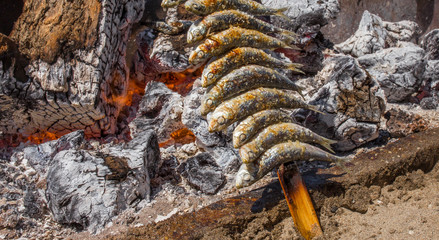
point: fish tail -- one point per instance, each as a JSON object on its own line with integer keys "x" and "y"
{"x": 280, "y": 13}
{"x": 289, "y": 46}
{"x": 281, "y": 10}
{"x": 291, "y": 40}
{"x": 314, "y": 109}
{"x": 288, "y": 36}
{"x": 326, "y": 143}
{"x": 288, "y": 33}
{"x": 299, "y": 91}
{"x": 295, "y": 67}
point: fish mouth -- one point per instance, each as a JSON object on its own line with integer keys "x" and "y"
{"x": 213, "y": 126}
{"x": 190, "y": 37}
{"x": 239, "y": 184}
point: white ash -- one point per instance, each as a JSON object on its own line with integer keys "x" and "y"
{"x": 352, "y": 100}
{"x": 305, "y": 12}
{"x": 374, "y": 34}
{"x": 160, "y": 110}
{"x": 431, "y": 81}
{"x": 399, "y": 70}
{"x": 198, "y": 124}
{"x": 86, "y": 187}
{"x": 430, "y": 42}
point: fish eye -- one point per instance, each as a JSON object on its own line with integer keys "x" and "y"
{"x": 197, "y": 32}
{"x": 246, "y": 177}
{"x": 209, "y": 102}
{"x": 221, "y": 120}
{"x": 209, "y": 75}
{"x": 196, "y": 6}
{"x": 200, "y": 54}
{"x": 242, "y": 137}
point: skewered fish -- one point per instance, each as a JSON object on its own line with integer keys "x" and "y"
{"x": 278, "y": 133}
{"x": 279, "y": 154}
{"x": 252, "y": 102}
{"x": 266, "y": 132}
{"x": 222, "y": 20}
{"x": 233, "y": 37}
{"x": 248, "y": 127}
{"x": 244, "y": 79}
{"x": 239, "y": 57}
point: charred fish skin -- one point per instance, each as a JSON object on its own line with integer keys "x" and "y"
{"x": 248, "y": 127}
{"x": 251, "y": 102}
{"x": 233, "y": 37}
{"x": 239, "y": 57}
{"x": 293, "y": 151}
{"x": 222, "y": 20}
{"x": 277, "y": 133}
{"x": 205, "y": 7}
{"x": 244, "y": 79}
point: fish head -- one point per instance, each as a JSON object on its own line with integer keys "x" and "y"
{"x": 245, "y": 176}
{"x": 195, "y": 7}
{"x": 238, "y": 139}
{"x": 210, "y": 73}
{"x": 196, "y": 32}
{"x": 207, "y": 77}
{"x": 208, "y": 105}
{"x": 241, "y": 134}
{"x": 198, "y": 56}
{"x": 219, "y": 120}
{"x": 247, "y": 154}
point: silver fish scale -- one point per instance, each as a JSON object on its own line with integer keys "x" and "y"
{"x": 254, "y": 123}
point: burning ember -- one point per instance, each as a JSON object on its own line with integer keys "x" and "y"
{"x": 181, "y": 82}
{"x": 39, "y": 137}
{"x": 42, "y": 136}
{"x": 123, "y": 97}
{"x": 133, "y": 88}
{"x": 180, "y": 136}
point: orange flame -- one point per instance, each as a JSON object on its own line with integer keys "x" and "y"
{"x": 133, "y": 88}
{"x": 41, "y": 137}
{"x": 180, "y": 82}
{"x": 180, "y": 136}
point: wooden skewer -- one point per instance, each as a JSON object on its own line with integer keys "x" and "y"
{"x": 299, "y": 202}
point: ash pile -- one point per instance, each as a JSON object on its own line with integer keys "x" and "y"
{"x": 143, "y": 151}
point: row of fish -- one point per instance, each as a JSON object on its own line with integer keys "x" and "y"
{"x": 246, "y": 84}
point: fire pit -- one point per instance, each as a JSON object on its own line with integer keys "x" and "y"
{"x": 101, "y": 126}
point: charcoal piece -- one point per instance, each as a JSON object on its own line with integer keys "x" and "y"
{"x": 430, "y": 42}
{"x": 202, "y": 173}
{"x": 160, "y": 110}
